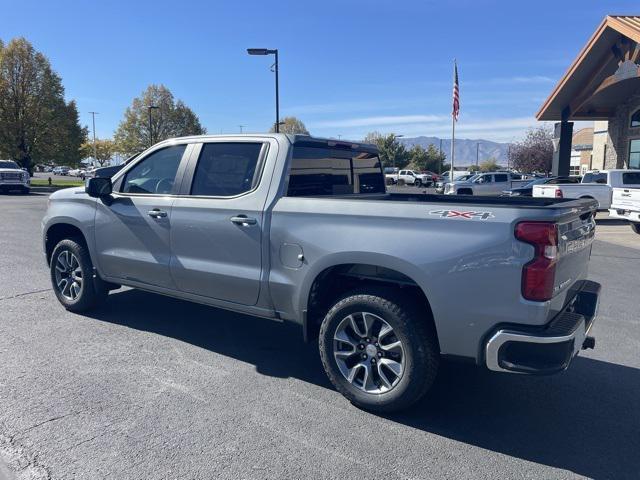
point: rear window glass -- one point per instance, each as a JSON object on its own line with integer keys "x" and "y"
{"x": 631, "y": 178}
{"x": 595, "y": 178}
{"x": 321, "y": 171}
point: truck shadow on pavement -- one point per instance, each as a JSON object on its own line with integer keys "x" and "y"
{"x": 585, "y": 420}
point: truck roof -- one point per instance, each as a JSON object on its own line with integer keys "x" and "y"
{"x": 297, "y": 139}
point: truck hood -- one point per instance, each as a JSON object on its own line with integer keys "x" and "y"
{"x": 67, "y": 193}
{"x": 11, "y": 170}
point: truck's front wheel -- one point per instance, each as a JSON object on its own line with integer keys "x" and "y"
{"x": 635, "y": 227}
{"x": 72, "y": 277}
{"x": 378, "y": 350}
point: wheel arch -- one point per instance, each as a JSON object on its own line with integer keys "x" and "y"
{"x": 58, "y": 231}
{"x": 591, "y": 197}
{"x": 333, "y": 279}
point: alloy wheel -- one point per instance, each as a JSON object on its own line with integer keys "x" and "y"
{"x": 368, "y": 353}
{"x": 68, "y": 275}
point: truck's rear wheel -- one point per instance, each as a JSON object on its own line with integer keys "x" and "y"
{"x": 72, "y": 277}
{"x": 378, "y": 351}
{"x": 635, "y": 227}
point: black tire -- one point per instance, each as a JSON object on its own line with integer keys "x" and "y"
{"x": 92, "y": 292}
{"x": 635, "y": 227}
{"x": 417, "y": 183}
{"x": 411, "y": 326}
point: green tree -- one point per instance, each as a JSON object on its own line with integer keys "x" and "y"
{"x": 489, "y": 165}
{"x": 291, "y": 125}
{"x": 170, "y": 119}
{"x": 474, "y": 168}
{"x": 36, "y": 124}
{"x": 392, "y": 152}
{"x": 430, "y": 159}
{"x": 105, "y": 149}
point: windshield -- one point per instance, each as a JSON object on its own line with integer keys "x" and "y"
{"x": 8, "y": 164}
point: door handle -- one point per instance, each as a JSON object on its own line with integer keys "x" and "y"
{"x": 157, "y": 213}
{"x": 243, "y": 220}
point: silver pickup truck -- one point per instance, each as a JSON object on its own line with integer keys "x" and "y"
{"x": 300, "y": 229}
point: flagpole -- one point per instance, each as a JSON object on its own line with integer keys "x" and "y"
{"x": 453, "y": 148}
{"x": 453, "y": 128}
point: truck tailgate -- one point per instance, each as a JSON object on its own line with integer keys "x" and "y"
{"x": 574, "y": 250}
{"x": 544, "y": 191}
{"x": 626, "y": 199}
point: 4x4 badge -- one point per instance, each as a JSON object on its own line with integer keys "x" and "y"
{"x": 467, "y": 215}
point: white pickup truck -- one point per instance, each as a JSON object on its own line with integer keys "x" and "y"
{"x": 490, "y": 183}
{"x": 409, "y": 177}
{"x": 625, "y": 200}
{"x": 595, "y": 184}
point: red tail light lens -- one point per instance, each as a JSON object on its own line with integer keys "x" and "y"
{"x": 558, "y": 193}
{"x": 538, "y": 276}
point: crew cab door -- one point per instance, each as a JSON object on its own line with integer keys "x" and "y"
{"x": 500, "y": 183}
{"x": 217, "y": 221}
{"x": 132, "y": 227}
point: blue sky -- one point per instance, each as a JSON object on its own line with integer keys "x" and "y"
{"x": 346, "y": 67}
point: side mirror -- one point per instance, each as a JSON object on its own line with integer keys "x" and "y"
{"x": 98, "y": 187}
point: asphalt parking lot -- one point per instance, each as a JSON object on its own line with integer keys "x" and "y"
{"x": 152, "y": 387}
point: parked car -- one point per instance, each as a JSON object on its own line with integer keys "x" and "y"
{"x": 61, "y": 170}
{"x": 527, "y": 189}
{"x": 13, "y": 178}
{"x": 110, "y": 170}
{"x": 625, "y": 200}
{"x": 595, "y": 184}
{"x": 486, "y": 183}
{"x": 409, "y": 177}
{"x": 434, "y": 176}
{"x": 457, "y": 175}
{"x": 76, "y": 172}
{"x": 272, "y": 225}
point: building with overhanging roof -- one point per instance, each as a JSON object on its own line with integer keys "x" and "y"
{"x": 602, "y": 84}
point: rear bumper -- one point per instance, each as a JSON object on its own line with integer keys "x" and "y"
{"x": 549, "y": 349}
{"x": 621, "y": 213}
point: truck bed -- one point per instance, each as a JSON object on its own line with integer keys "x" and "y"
{"x": 496, "y": 201}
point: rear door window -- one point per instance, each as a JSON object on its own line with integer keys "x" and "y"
{"x": 226, "y": 169}
{"x": 501, "y": 177}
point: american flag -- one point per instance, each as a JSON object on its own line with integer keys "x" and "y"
{"x": 456, "y": 93}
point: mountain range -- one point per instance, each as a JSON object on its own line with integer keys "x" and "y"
{"x": 465, "y": 152}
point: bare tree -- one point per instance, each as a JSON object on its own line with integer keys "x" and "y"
{"x": 534, "y": 153}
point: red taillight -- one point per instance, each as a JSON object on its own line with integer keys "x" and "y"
{"x": 539, "y": 274}
{"x": 558, "y": 193}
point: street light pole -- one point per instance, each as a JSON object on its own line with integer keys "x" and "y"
{"x": 95, "y": 159}
{"x": 477, "y": 152}
{"x": 394, "y": 153}
{"x": 277, "y": 95}
{"x": 268, "y": 51}
{"x": 241, "y": 126}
